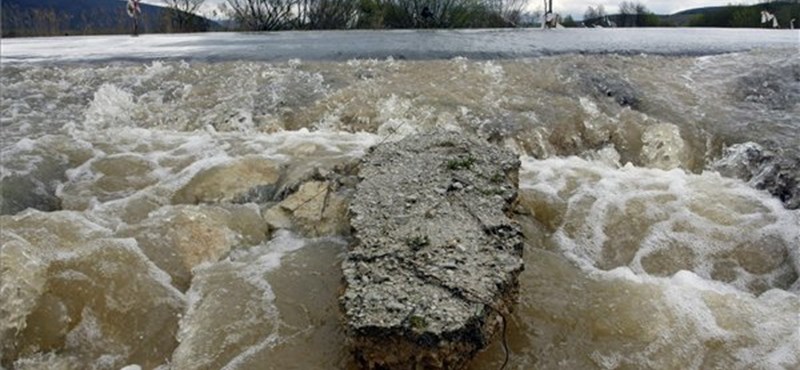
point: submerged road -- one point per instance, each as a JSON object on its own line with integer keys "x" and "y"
{"x": 398, "y": 44}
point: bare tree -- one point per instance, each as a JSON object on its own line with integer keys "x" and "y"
{"x": 262, "y": 15}
{"x": 641, "y": 12}
{"x": 510, "y": 10}
{"x": 327, "y": 14}
{"x": 441, "y": 13}
{"x": 632, "y": 14}
{"x": 627, "y": 13}
{"x": 183, "y": 13}
{"x": 594, "y": 12}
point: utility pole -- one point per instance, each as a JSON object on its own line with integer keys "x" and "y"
{"x": 549, "y": 19}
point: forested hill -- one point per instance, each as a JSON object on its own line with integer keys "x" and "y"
{"x": 741, "y": 15}
{"x": 86, "y": 17}
{"x": 715, "y": 16}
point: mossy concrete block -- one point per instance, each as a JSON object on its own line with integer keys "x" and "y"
{"x": 435, "y": 258}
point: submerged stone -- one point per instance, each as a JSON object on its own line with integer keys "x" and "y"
{"x": 614, "y": 87}
{"x": 179, "y": 238}
{"x": 248, "y": 179}
{"x": 104, "y": 305}
{"x": 315, "y": 209}
{"x": 108, "y": 178}
{"x": 231, "y": 311}
{"x": 434, "y": 262}
{"x": 18, "y": 193}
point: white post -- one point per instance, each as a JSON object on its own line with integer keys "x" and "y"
{"x": 544, "y": 15}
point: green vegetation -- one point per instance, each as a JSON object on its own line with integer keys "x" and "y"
{"x": 492, "y": 191}
{"x": 498, "y": 178}
{"x": 461, "y": 163}
{"x": 569, "y": 22}
{"x": 418, "y": 322}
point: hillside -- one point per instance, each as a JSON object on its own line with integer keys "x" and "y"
{"x": 84, "y": 17}
{"x": 714, "y": 16}
{"x": 741, "y": 15}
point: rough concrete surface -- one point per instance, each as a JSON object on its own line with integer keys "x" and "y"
{"x": 435, "y": 259}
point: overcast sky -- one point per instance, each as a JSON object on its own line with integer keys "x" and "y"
{"x": 577, "y": 7}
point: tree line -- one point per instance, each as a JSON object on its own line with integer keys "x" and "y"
{"x": 269, "y": 15}
{"x": 631, "y": 14}
{"x": 265, "y": 15}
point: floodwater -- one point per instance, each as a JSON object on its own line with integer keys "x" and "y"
{"x": 474, "y": 44}
{"x": 126, "y": 238}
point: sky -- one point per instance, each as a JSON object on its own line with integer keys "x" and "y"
{"x": 576, "y": 8}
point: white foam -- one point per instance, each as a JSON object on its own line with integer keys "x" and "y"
{"x": 397, "y": 118}
{"x": 710, "y": 216}
{"x": 493, "y": 70}
{"x": 759, "y": 332}
{"x": 110, "y": 107}
{"x": 155, "y": 69}
{"x": 663, "y": 147}
{"x": 268, "y": 257}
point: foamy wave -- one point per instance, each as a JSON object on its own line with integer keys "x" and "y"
{"x": 660, "y": 222}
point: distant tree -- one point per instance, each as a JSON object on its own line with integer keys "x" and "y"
{"x": 222, "y": 14}
{"x": 439, "y": 13}
{"x": 627, "y": 14}
{"x": 262, "y": 15}
{"x": 594, "y": 14}
{"x": 182, "y": 14}
{"x": 640, "y": 13}
{"x": 786, "y": 13}
{"x": 569, "y": 22}
{"x": 509, "y": 10}
{"x": 326, "y": 14}
{"x": 535, "y": 17}
{"x": 652, "y": 20}
{"x": 370, "y": 14}
{"x": 636, "y": 14}
{"x": 745, "y": 17}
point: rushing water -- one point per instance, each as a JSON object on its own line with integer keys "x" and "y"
{"x": 125, "y": 239}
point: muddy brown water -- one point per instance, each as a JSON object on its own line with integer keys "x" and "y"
{"x": 637, "y": 255}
